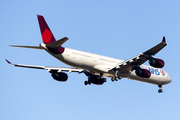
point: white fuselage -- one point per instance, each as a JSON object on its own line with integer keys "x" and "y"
{"x": 97, "y": 64}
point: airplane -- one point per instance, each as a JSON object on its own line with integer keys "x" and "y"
{"x": 97, "y": 67}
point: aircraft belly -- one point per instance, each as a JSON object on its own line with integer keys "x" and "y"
{"x": 72, "y": 61}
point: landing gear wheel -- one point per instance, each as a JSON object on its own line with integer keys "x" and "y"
{"x": 89, "y": 82}
{"x": 119, "y": 77}
{"x": 160, "y": 90}
{"x": 112, "y": 79}
{"x": 104, "y": 79}
{"x": 85, "y": 82}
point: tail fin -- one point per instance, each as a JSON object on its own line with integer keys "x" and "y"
{"x": 46, "y": 33}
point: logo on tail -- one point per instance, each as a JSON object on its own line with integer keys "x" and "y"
{"x": 46, "y": 33}
{"x": 48, "y": 38}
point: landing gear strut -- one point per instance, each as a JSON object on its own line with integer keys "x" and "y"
{"x": 89, "y": 81}
{"x": 117, "y": 75}
{"x": 160, "y": 89}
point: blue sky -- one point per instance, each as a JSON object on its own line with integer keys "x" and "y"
{"x": 116, "y": 28}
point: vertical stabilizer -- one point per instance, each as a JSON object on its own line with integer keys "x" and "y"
{"x": 46, "y": 33}
{"x": 48, "y": 38}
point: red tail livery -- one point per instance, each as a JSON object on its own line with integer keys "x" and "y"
{"x": 46, "y": 33}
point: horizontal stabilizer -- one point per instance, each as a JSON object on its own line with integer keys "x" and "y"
{"x": 58, "y": 43}
{"x": 32, "y": 47}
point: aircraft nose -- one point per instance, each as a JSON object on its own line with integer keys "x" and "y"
{"x": 169, "y": 79}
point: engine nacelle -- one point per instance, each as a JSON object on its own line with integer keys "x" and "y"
{"x": 143, "y": 73}
{"x": 60, "y": 76}
{"x": 95, "y": 79}
{"x": 155, "y": 62}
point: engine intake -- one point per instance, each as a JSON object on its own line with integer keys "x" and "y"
{"x": 60, "y": 76}
{"x": 155, "y": 62}
{"x": 143, "y": 73}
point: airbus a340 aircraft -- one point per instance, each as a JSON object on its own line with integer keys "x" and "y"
{"x": 95, "y": 67}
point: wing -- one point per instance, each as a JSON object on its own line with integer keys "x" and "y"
{"x": 59, "y": 69}
{"x": 138, "y": 60}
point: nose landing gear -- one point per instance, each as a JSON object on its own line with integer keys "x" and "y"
{"x": 160, "y": 89}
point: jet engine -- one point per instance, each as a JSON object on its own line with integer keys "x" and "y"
{"x": 143, "y": 73}
{"x": 155, "y": 62}
{"x": 60, "y": 76}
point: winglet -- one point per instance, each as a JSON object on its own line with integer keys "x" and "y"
{"x": 157, "y": 48}
{"x": 164, "y": 39}
{"x": 8, "y": 61}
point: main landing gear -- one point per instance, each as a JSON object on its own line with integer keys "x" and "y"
{"x": 117, "y": 75}
{"x": 160, "y": 89}
{"x": 95, "y": 79}
{"x": 87, "y": 82}
{"x": 115, "y": 79}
